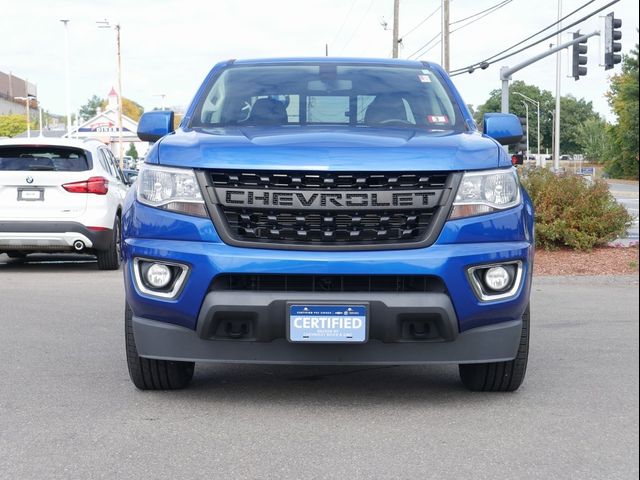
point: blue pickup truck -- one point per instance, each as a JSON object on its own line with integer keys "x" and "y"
{"x": 328, "y": 211}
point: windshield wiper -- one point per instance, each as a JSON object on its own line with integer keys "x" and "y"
{"x": 41, "y": 167}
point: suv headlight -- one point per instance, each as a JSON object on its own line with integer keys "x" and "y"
{"x": 174, "y": 189}
{"x": 486, "y": 191}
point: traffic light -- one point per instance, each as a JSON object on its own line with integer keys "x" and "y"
{"x": 611, "y": 34}
{"x": 579, "y": 55}
{"x": 517, "y": 159}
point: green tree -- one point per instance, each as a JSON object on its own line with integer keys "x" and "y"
{"x": 594, "y": 139}
{"x": 623, "y": 99}
{"x": 517, "y": 107}
{"x": 12, "y": 125}
{"x": 574, "y": 113}
{"x": 90, "y": 109}
{"x": 132, "y": 151}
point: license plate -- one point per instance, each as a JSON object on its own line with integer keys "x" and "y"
{"x": 31, "y": 194}
{"x": 328, "y": 323}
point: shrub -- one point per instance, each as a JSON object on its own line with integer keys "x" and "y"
{"x": 573, "y": 213}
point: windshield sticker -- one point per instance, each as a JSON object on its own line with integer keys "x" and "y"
{"x": 424, "y": 78}
{"x": 438, "y": 119}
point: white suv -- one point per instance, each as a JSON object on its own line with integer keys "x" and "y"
{"x": 59, "y": 195}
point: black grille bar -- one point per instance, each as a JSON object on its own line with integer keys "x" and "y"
{"x": 328, "y": 283}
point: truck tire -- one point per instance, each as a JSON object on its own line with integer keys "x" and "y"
{"x": 109, "y": 259}
{"x": 499, "y": 376}
{"x": 148, "y": 374}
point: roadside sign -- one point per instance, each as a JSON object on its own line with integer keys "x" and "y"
{"x": 587, "y": 171}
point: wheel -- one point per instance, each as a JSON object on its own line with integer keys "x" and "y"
{"x": 148, "y": 374}
{"x": 109, "y": 259}
{"x": 499, "y": 376}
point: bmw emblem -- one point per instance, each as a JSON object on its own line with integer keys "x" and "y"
{"x": 29, "y": 179}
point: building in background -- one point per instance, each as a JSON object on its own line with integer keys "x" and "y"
{"x": 12, "y": 87}
{"x": 104, "y": 127}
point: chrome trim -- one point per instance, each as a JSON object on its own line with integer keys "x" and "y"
{"x": 177, "y": 286}
{"x": 477, "y": 287}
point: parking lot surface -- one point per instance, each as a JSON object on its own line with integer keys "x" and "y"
{"x": 69, "y": 411}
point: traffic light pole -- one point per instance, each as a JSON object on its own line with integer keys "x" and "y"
{"x": 506, "y": 72}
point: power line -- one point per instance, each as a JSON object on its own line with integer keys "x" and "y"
{"x": 491, "y": 60}
{"x": 481, "y": 17}
{"x": 358, "y": 26}
{"x": 499, "y": 4}
{"x": 485, "y": 12}
{"x": 418, "y": 51}
{"x": 421, "y": 23}
{"x": 344, "y": 22}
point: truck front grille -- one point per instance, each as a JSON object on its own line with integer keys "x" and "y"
{"x": 328, "y": 210}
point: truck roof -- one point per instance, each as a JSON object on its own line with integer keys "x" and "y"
{"x": 340, "y": 60}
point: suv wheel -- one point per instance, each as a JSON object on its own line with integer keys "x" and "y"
{"x": 499, "y": 376}
{"x": 148, "y": 374}
{"x": 109, "y": 259}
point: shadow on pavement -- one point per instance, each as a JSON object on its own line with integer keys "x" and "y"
{"x": 344, "y": 386}
{"x": 49, "y": 262}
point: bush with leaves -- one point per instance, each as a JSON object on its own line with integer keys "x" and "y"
{"x": 573, "y": 213}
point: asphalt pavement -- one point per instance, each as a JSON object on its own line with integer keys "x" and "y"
{"x": 69, "y": 411}
{"x": 627, "y": 194}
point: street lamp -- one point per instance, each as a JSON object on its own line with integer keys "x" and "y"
{"x": 526, "y": 109}
{"x": 106, "y": 24}
{"x": 27, "y": 100}
{"x": 539, "y": 161}
{"x": 66, "y": 72}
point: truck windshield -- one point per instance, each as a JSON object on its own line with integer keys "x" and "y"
{"x": 328, "y": 94}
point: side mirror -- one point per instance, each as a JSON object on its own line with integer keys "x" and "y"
{"x": 505, "y": 128}
{"x": 155, "y": 125}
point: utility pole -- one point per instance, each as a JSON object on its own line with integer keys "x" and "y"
{"x": 67, "y": 86}
{"x": 106, "y": 24}
{"x": 537, "y": 104}
{"x": 556, "y": 120}
{"x": 120, "y": 148}
{"x": 396, "y": 25}
{"x": 444, "y": 8}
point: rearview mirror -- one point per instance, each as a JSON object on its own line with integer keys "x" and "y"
{"x": 155, "y": 125}
{"x": 505, "y": 128}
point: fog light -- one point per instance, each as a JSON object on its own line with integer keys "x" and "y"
{"x": 497, "y": 278}
{"x": 158, "y": 275}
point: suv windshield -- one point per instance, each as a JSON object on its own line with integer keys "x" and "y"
{"x": 328, "y": 94}
{"x": 60, "y": 159}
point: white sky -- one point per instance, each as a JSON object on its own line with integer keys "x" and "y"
{"x": 168, "y": 45}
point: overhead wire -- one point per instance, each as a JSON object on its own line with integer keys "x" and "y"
{"x": 428, "y": 46}
{"x": 422, "y": 22}
{"x": 344, "y": 22}
{"x": 497, "y": 58}
{"x": 499, "y": 4}
{"x": 488, "y": 12}
{"x": 358, "y": 26}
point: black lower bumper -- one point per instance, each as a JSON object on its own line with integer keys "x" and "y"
{"x": 243, "y": 327}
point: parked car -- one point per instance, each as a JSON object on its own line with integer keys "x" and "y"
{"x": 130, "y": 176}
{"x": 60, "y": 195}
{"x": 364, "y": 220}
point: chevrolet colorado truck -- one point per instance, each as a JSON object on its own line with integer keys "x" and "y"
{"x": 328, "y": 211}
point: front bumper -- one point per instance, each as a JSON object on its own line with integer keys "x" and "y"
{"x": 162, "y": 340}
{"x": 50, "y": 236}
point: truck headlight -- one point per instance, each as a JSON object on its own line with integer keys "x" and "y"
{"x": 174, "y": 189}
{"x": 486, "y": 191}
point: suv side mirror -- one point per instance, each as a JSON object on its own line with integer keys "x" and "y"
{"x": 505, "y": 128}
{"x": 155, "y": 125}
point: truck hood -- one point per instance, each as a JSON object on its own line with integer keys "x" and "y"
{"x": 332, "y": 149}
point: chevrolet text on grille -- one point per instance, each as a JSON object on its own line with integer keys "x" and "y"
{"x": 323, "y": 200}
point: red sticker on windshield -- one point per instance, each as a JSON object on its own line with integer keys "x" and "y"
{"x": 438, "y": 119}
